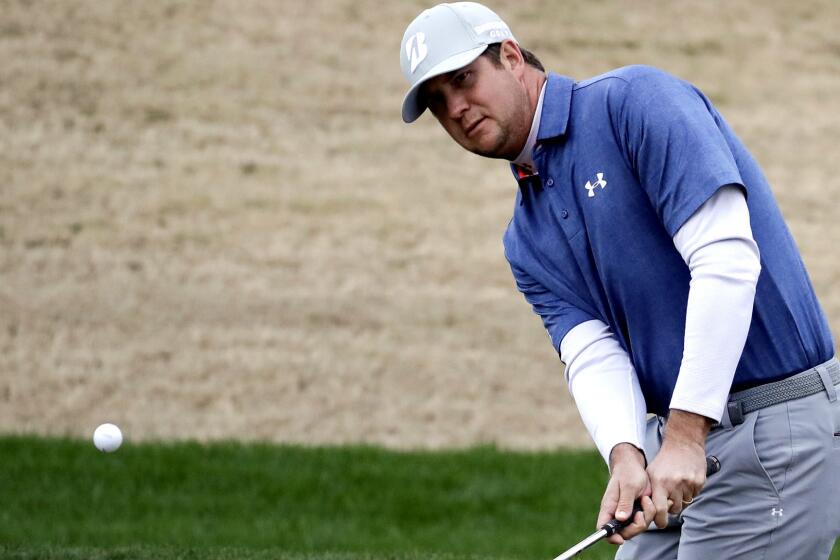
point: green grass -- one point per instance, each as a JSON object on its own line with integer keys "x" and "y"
{"x": 63, "y": 499}
{"x": 170, "y": 553}
{"x": 483, "y": 502}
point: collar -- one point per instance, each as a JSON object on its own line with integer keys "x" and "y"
{"x": 556, "y": 107}
{"x": 551, "y": 119}
{"x": 525, "y": 158}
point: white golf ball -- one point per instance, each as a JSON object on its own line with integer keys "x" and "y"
{"x": 107, "y": 438}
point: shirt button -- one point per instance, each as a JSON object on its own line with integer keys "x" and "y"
{"x": 564, "y": 214}
{"x": 550, "y": 182}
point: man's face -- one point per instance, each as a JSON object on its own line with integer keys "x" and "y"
{"x": 483, "y": 107}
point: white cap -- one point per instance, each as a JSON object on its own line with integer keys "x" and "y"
{"x": 443, "y": 39}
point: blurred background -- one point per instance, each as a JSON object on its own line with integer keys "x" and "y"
{"x": 214, "y": 224}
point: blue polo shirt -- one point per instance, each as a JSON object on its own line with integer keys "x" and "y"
{"x": 623, "y": 160}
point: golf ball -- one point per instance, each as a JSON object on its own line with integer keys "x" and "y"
{"x": 107, "y": 438}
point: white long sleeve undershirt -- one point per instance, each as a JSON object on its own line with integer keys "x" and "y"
{"x": 717, "y": 245}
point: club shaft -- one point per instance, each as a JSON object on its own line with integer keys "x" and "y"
{"x": 583, "y": 545}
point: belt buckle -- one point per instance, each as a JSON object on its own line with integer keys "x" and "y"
{"x": 736, "y": 412}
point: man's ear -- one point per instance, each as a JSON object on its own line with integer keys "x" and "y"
{"x": 511, "y": 57}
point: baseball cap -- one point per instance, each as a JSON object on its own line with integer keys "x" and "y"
{"x": 443, "y": 39}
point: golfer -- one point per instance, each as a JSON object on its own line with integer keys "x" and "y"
{"x": 648, "y": 240}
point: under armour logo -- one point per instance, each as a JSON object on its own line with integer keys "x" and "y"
{"x": 776, "y": 512}
{"x": 601, "y": 182}
{"x": 416, "y": 49}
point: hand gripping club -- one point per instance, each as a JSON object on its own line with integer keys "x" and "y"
{"x": 612, "y": 527}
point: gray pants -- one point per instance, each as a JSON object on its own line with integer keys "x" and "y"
{"x": 776, "y": 497}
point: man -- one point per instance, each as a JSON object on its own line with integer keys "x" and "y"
{"x": 648, "y": 240}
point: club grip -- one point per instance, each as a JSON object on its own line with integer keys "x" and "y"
{"x": 614, "y": 525}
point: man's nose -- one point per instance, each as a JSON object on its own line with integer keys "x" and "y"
{"x": 457, "y": 105}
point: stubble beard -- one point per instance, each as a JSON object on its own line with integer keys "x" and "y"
{"x": 501, "y": 148}
{"x": 495, "y": 152}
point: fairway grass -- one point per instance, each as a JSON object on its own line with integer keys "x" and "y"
{"x": 62, "y": 499}
{"x": 63, "y": 494}
{"x": 169, "y": 553}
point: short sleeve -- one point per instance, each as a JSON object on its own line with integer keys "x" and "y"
{"x": 558, "y": 316}
{"x": 673, "y": 142}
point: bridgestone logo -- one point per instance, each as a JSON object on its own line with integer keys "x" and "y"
{"x": 416, "y": 49}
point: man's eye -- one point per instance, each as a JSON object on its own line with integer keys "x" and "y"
{"x": 462, "y": 77}
{"x": 433, "y": 101}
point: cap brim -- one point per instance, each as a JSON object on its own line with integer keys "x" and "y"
{"x": 412, "y": 107}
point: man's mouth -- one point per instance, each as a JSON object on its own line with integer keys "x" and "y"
{"x": 473, "y": 126}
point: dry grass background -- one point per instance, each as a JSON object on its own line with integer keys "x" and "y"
{"x": 213, "y": 222}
